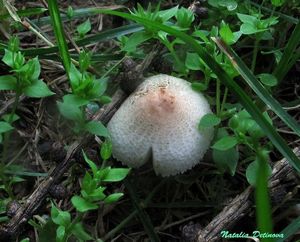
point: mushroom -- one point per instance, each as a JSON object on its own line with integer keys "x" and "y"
{"x": 160, "y": 121}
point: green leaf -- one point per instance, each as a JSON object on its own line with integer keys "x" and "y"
{"x": 167, "y": 14}
{"x": 136, "y": 39}
{"x": 199, "y": 87}
{"x": 70, "y": 12}
{"x": 96, "y": 128}
{"x": 100, "y": 86}
{"x": 106, "y": 149}
{"x": 226, "y": 33}
{"x": 97, "y": 194}
{"x": 82, "y": 205}
{"x": 268, "y": 79}
{"x": 84, "y": 60}
{"x": 192, "y": 61}
{"x": 115, "y": 174}
{"x": 59, "y": 217}
{"x": 225, "y": 160}
{"x": 105, "y": 99}
{"x": 113, "y": 198}
{"x": 6, "y": 117}
{"x": 36, "y": 68}
{"x": 70, "y": 111}
{"x": 75, "y": 100}
{"x": 74, "y": 76}
{"x": 248, "y": 28}
{"x": 80, "y": 233}
{"x": 5, "y": 127}
{"x": 102, "y": 173}
{"x": 37, "y": 89}
{"x": 84, "y": 28}
{"x": 8, "y": 82}
{"x": 209, "y": 120}
{"x": 184, "y": 17}
{"x": 8, "y": 58}
{"x": 90, "y": 163}
{"x": 25, "y": 240}
{"x": 252, "y": 172}
{"x": 60, "y": 233}
{"x": 247, "y": 18}
{"x": 88, "y": 185}
{"x": 225, "y": 143}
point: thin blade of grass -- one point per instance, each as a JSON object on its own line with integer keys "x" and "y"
{"x": 25, "y": 173}
{"x": 26, "y": 12}
{"x": 287, "y": 61}
{"x": 102, "y": 36}
{"x": 257, "y": 87}
{"x": 289, "y": 230}
{"x": 262, "y": 200}
{"x": 59, "y": 34}
{"x": 110, "y": 34}
{"x": 95, "y": 57}
{"x": 244, "y": 99}
{"x": 77, "y": 13}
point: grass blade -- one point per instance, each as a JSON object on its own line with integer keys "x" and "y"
{"x": 95, "y": 57}
{"x": 244, "y": 99}
{"x": 262, "y": 200}
{"x": 102, "y": 36}
{"x": 26, "y": 12}
{"x": 289, "y": 230}
{"x": 257, "y": 87}
{"x": 110, "y": 34}
{"x": 77, "y": 13}
{"x": 284, "y": 64}
{"x": 59, "y": 34}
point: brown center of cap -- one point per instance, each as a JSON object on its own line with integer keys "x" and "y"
{"x": 160, "y": 101}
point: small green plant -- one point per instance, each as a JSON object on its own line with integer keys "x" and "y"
{"x": 24, "y": 80}
{"x": 254, "y": 24}
{"x": 85, "y": 89}
{"x": 92, "y": 196}
{"x": 180, "y": 18}
{"x": 245, "y": 132}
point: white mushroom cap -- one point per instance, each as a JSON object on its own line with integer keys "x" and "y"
{"x": 160, "y": 120}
